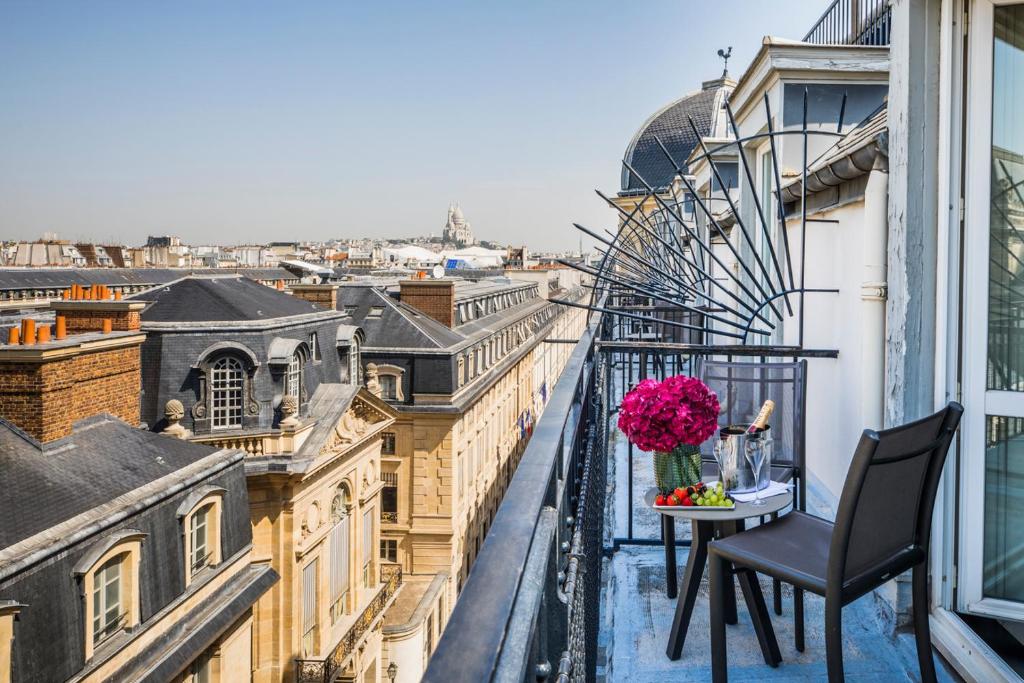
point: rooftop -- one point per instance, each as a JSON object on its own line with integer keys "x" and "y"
{"x": 228, "y": 298}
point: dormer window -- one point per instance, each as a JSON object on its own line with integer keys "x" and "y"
{"x": 388, "y": 386}
{"x": 109, "y": 575}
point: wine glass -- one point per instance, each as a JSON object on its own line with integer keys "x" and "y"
{"x": 755, "y": 452}
{"x": 724, "y": 454}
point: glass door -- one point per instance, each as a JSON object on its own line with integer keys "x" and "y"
{"x": 991, "y": 556}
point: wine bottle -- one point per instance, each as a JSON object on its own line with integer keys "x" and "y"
{"x": 761, "y": 420}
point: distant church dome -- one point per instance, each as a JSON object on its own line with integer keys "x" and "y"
{"x": 671, "y": 125}
{"x": 457, "y": 229}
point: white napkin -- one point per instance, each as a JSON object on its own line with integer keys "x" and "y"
{"x": 774, "y": 488}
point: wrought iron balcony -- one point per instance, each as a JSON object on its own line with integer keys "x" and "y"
{"x": 389, "y": 517}
{"x": 323, "y": 670}
{"x": 852, "y": 22}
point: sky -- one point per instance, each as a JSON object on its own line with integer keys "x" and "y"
{"x": 247, "y": 122}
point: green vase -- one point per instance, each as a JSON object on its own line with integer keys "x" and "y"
{"x": 678, "y": 468}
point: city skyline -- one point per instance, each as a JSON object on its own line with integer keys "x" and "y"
{"x": 259, "y": 125}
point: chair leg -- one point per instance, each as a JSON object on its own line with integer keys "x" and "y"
{"x": 798, "y": 618}
{"x": 717, "y": 578}
{"x": 834, "y": 639}
{"x": 922, "y": 632}
{"x": 776, "y": 584}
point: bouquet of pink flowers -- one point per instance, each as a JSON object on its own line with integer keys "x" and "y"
{"x": 661, "y": 416}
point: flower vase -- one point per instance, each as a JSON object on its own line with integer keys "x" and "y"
{"x": 678, "y": 468}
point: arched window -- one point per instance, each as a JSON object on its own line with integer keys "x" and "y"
{"x": 293, "y": 379}
{"x": 108, "y": 598}
{"x": 227, "y": 383}
{"x": 339, "y": 546}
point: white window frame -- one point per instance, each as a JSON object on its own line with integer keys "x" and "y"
{"x": 227, "y": 392}
{"x": 979, "y": 402}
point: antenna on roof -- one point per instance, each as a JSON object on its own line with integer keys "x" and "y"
{"x": 725, "y": 54}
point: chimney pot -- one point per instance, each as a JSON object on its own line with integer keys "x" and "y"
{"x": 117, "y": 295}
{"x": 43, "y": 334}
{"x": 62, "y": 327}
{"x": 28, "y": 331}
{"x": 13, "y": 335}
{"x": 108, "y": 326}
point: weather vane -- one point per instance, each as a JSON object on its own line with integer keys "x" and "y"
{"x": 725, "y": 54}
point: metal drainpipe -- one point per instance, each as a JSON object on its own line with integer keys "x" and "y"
{"x": 873, "y": 291}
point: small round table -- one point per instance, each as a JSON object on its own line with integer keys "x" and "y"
{"x": 706, "y": 524}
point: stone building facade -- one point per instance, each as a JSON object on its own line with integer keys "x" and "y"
{"x": 467, "y": 393}
{"x": 275, "y": 375}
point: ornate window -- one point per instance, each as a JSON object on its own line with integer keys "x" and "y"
{"x": 390, "y": 379}
{"x": 293, "y": 377}
{"x": 227, "y": 393}
{"x": 109, "y": 575}
{"x": 355, "y": 368}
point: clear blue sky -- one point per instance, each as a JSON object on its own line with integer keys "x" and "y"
{"x": 254, "y": 121}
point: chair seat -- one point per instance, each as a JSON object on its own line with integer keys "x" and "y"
{"x": 793, "y": 548}
{"x": 783, "y": 473}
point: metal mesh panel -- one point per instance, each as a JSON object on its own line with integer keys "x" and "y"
{"x": 743, "y": 387}
{"x": 582, "y": 587}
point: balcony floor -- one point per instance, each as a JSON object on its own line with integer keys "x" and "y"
{"x": 637, "y": 616}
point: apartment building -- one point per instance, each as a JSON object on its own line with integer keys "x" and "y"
{"x": 466, "y": 366}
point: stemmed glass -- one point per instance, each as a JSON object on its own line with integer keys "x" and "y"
{"x": 755, "y": 452}
{"x": 724, "y": 454}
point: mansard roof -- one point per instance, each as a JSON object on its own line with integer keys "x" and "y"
{"x": 99, "y": 464}
{"x": 231, "y": 298}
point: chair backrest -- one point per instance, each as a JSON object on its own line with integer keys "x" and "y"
{"x": 885, "y": 511}
{"x": 743, "y": 386}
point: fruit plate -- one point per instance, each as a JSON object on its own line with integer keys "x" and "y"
{"x": 714, "y": 508}
{"x": 652, "y": 495}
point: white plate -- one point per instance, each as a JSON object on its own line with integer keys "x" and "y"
{"x": 723, "y": 508}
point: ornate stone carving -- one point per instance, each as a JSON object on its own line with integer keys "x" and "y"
{"x": 372, "y": 383}
{"x": 174, "y": 411}
{"x": 290, "y": 411}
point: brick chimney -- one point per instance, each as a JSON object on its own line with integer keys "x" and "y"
{"x": 49, "y": 383}
{"x": 434, "y": 298}
{"x": 323, "y": 295}
{"x": 88, "y": 316}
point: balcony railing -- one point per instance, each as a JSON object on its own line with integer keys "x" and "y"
{"x": 324, "y": 670}
{"x": 853, "y": 22}
{"x": 529, "y": 610}
{"x": 389, "y": 517}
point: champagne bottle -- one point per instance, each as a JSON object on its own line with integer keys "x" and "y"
{"x": 761, "y": 420}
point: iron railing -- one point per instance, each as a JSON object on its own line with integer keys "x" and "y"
{"x": 531, "y": 601}
{"x": 853, "y": 22}
{"x": 323, "y": 670}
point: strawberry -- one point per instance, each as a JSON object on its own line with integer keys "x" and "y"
{"x": 687, "y": 502}
{"x": 673, "y": 500}
{"x": 660, "y": 500}
{"x": 680, "y": 493}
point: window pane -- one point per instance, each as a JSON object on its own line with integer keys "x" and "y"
{"x": 226, "y": 384}
{"x": 1006, "y": 225}
{"x": 1004, "y": 508}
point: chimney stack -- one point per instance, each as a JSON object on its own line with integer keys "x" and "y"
{"x": 433, "y": 298}
{"x": 90, "y": 364}
{"x": 323, "y": 295}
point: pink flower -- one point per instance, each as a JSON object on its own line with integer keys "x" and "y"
{"x": 659, "y": 416}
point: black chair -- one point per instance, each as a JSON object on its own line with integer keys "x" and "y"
{"x": 742, "y": 387}
{"x": 881, "y": 530}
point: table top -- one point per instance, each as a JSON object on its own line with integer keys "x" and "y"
{"x": 741, "y": 511}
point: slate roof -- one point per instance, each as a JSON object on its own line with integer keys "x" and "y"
{"x": 102, "y": 459}
{"x": 672, "y": 127}
{"x": 221, "y": 299}
{"x": 49, "y": 278}
{"x": 398, "y": 325}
